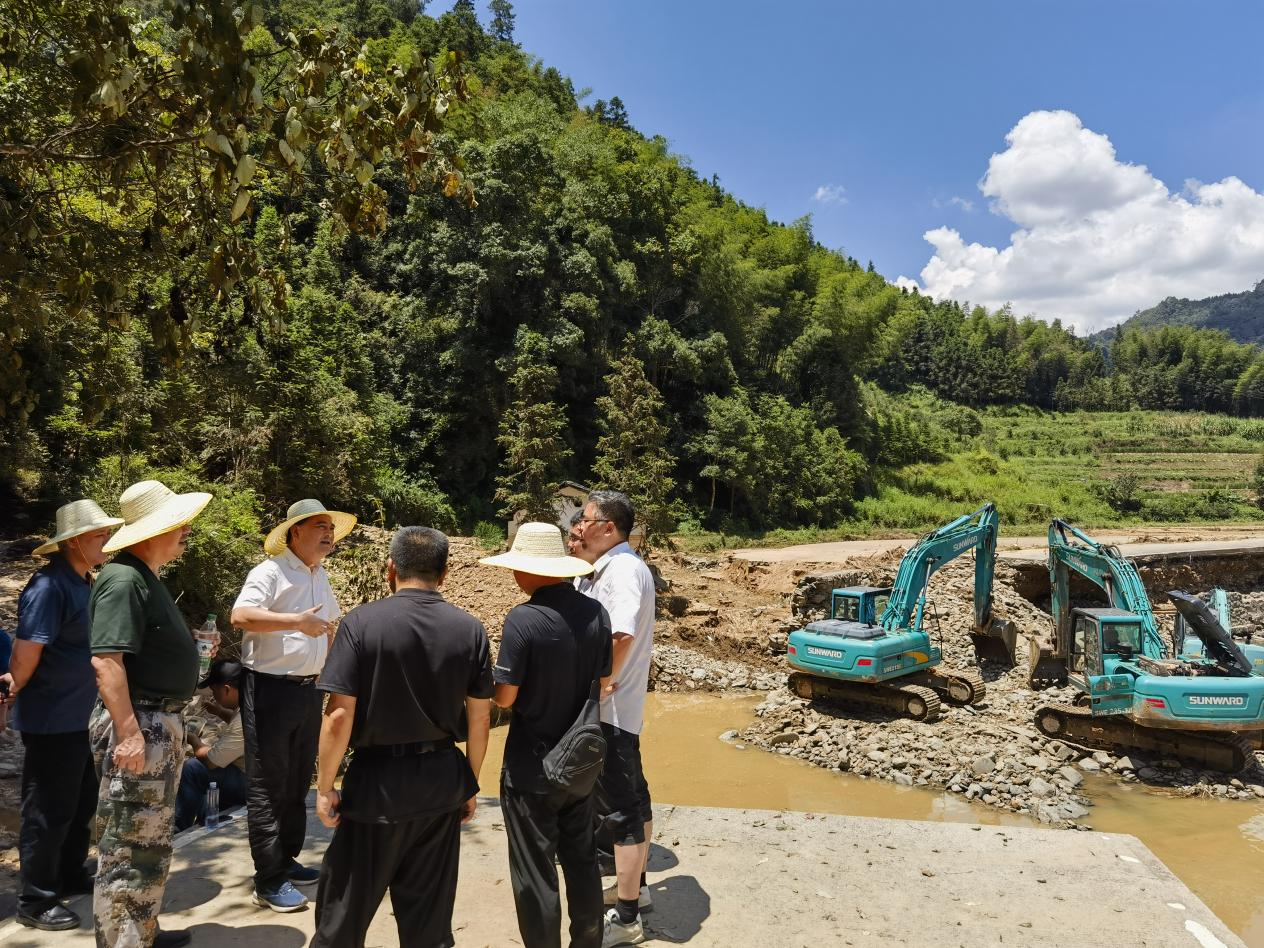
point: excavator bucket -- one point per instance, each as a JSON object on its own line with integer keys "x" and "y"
{"x": 1044, "y": 667}
{"x": 997, "y": 643}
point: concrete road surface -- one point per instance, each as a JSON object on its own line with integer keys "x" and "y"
{"x": 738, "y": 878}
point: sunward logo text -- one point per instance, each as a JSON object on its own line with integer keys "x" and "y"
{"x": 1223, "y": 701}
{"x": 824, "y": 652}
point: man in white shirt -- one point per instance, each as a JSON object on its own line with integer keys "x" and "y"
{"x": 622, "y": 583}
{"x": 288, "y": 613}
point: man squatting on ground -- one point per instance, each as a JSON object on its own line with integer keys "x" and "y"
{"x": 288, "y": 613}
{"x": 146, "y": 666}
{"x": 408, "y": 677}
{"x": 622, "y": 583}
{"x": 50, "y": 676}
{"x": 555, "y": 650}
{"x": 221, "y": 760}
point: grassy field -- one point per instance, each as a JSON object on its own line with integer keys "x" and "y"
{"x": 1096, "y": 469}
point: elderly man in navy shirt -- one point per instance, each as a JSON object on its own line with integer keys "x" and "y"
{"x": 51, "y": 677}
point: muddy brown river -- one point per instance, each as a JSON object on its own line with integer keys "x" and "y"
{"x": 1216, "y": 847}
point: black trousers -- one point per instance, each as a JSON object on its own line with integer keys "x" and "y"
{"x": 59, "y": 800}
{"x": 416, "y": 861}
{"x": 280, "y": 721}
{"x": 541, "y": 826}
{"x": 622, "y": 793}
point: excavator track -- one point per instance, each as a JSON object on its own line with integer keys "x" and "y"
{"x": 910, "y": 701}
{"x": 1226, "y": 752}
{"x": 955, "y": 685}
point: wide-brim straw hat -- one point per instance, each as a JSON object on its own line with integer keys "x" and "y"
{"x": 538, "y": 549}
{"x": 344, "y": 523}
{"x": 75, "y": 519}
{"x": 150, "y": 509}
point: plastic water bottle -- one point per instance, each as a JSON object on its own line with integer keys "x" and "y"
{"x": 207, "y": 637}
{"x": 212, "y": 806}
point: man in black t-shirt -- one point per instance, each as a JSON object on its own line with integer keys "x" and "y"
{"x": 554, "y": 648}
{"x": 408, "y": 677}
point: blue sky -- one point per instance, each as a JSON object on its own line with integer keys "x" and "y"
{"x": 897, "y": 108}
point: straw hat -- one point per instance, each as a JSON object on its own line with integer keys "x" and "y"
{"x": 538, "y": 549}
{"x": 150, "y": 509}
{"x": 74, "y": 519}
{"x": 275, "y": 542}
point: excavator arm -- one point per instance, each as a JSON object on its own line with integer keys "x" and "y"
{"x": 1070, "y": 550}
{"x": 976, "y": 531}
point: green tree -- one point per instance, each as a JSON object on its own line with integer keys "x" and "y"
{"x": 531, "y": 433}
{"x": 632, "y": 453}
{"x": 502, "y": 25}
{"x": 133, "y": 149}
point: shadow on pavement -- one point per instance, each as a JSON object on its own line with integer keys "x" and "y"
{"x": 247, "y": 936}
{"x": 681, "y": 905}
{"x": 661, "y": 859}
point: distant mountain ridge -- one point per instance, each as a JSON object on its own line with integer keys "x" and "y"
{"x": 1239, "y": 315}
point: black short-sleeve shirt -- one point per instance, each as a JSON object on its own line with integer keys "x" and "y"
{"x": 410, "y": 661}
{"x": 553, "y": 646}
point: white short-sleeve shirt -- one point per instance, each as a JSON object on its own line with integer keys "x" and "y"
{"x": 284, "y": 583}
{"x": 622, "y": 583}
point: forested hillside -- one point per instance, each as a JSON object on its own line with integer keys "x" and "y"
{"x": 356, "y": 328}
{"x": 1240, "y": 316}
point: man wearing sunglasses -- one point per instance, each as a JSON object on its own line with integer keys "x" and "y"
{"x": 622, "y": 583}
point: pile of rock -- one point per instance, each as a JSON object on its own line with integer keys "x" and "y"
{"x": 679, "y": 669}
{"x": 1247, "y": 611}
{"x": 981, "y": 756}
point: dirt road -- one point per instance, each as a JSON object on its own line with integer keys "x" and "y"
{"x": 841, "y": 551}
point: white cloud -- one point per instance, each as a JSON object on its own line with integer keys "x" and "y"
{"x": 964, "y": 203}
{"x": 1097, "y": 238}
{"x": 831, "y": 194}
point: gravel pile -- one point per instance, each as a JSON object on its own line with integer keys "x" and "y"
{"x": 991, "y": 753}
{"x": 680, "y": 669}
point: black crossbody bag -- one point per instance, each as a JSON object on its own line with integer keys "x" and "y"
{"x": 575, "y": 762}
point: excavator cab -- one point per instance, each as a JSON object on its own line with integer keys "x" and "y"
{"x": 1102, "y": 641}
{"x": 863, "y": 604}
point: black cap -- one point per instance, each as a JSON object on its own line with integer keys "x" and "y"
{"x": 223, "y": 671}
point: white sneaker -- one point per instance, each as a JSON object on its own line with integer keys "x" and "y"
{"x": 610, "y": 895}
{"x": 617, "y": 933}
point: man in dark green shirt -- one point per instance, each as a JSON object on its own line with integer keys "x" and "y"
{"x": 146, "y": 664}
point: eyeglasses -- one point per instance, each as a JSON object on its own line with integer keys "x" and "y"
{"x": 593, "y": 520}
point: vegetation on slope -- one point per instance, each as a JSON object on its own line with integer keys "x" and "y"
{"x": 425, "y": 359}
{"x": 1240, "y": 316}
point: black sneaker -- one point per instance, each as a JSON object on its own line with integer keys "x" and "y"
{"x": 173, "y": 939}
{"x": 55, "y": 918}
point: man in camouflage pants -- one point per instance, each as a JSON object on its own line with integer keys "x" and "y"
{"x": 136, "y": 734}
{"x": 134, "y": 822}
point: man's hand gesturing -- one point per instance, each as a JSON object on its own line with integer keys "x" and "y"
{"x": 311, "y": 624}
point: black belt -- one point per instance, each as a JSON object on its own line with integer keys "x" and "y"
{"x": 166, "y": 705}
{"x": 406, "y": 750}
{"x": 294, "y": 679}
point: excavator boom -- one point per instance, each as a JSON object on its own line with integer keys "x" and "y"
{"x": 976, "y": 531}
{"x": 1072, "y": 550}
